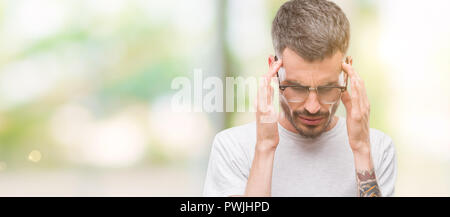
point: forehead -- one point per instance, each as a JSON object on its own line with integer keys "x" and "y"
{"x": 311, "y": 73}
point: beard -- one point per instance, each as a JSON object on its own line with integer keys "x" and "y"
{"x": 308, "y": 131}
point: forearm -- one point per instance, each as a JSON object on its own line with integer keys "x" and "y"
{"x": 365, "y": 175}
{"x": 259, "y": 183}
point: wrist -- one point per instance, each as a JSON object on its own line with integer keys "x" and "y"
{"x": 265, "y": 147}
{"x": 362, "y": 150}
{"x": 363, "y": 159}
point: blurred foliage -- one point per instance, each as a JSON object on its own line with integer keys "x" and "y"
{"x": 130, "y": 63}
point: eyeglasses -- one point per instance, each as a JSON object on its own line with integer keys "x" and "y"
{"x": 299, "y": 94}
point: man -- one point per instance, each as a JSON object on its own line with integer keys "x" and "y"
{"x": 306, "y": 151}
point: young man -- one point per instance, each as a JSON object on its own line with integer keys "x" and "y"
{"x": 307, "y": 151}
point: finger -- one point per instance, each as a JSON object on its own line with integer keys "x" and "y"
{"x": 265, "y": 110}
{"x": 363, "y": 113}
{"x": 364, "y": 98}
{"x": 348, "y": 69}
{"x": 347, "y": 101}
{"x": 349, "y": 60}
{"x": 264, "y": 96}
{"x": 269, "y": 94}
{"x": 261, "y": 98}
{"x": 274, "y": 69}
{"x": 359, "y": 86}
{"x": 352, "y": 75}
{"x": 355, "y": 96}
{"x": 268, "y": 77}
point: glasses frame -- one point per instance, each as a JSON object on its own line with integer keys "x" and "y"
{"x": 309, "y": 88}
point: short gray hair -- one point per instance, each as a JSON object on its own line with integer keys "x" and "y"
{"x": 314, "y": 29}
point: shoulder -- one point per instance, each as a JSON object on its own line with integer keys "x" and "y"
{"x": 236, "y": 139}
{"x": 238, "y": 134}
{"x": 382, "y": 145}
{"x": 380, "y": 138}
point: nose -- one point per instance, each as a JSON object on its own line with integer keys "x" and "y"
{"x": 312, "y": 104}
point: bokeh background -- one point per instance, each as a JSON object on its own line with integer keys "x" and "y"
{"x": 85, "y": 89}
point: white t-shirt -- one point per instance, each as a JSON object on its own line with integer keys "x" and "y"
{"x": 302, "y": 167}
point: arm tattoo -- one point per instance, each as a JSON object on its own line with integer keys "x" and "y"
{"x": 367, "y": 183}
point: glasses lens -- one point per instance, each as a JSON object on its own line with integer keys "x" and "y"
{"x": 296, "y": 94}
{"x": 329, "y": 95}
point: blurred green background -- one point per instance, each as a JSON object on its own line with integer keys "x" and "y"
{"x": 85, "y": 89}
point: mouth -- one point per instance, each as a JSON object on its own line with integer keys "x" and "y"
{"x": 311, "y": 121}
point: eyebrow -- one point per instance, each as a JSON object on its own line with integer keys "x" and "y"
{"x": 330, "y": 83}
{"x": 295, "y": 83}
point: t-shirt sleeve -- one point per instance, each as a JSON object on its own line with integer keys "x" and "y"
{"x": 386, "y": 170}
{"x": 227, "y": 168}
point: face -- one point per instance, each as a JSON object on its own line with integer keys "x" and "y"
{"x": 311, "y": 117}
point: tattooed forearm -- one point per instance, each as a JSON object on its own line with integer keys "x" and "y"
{"x": 367, "y": 184}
